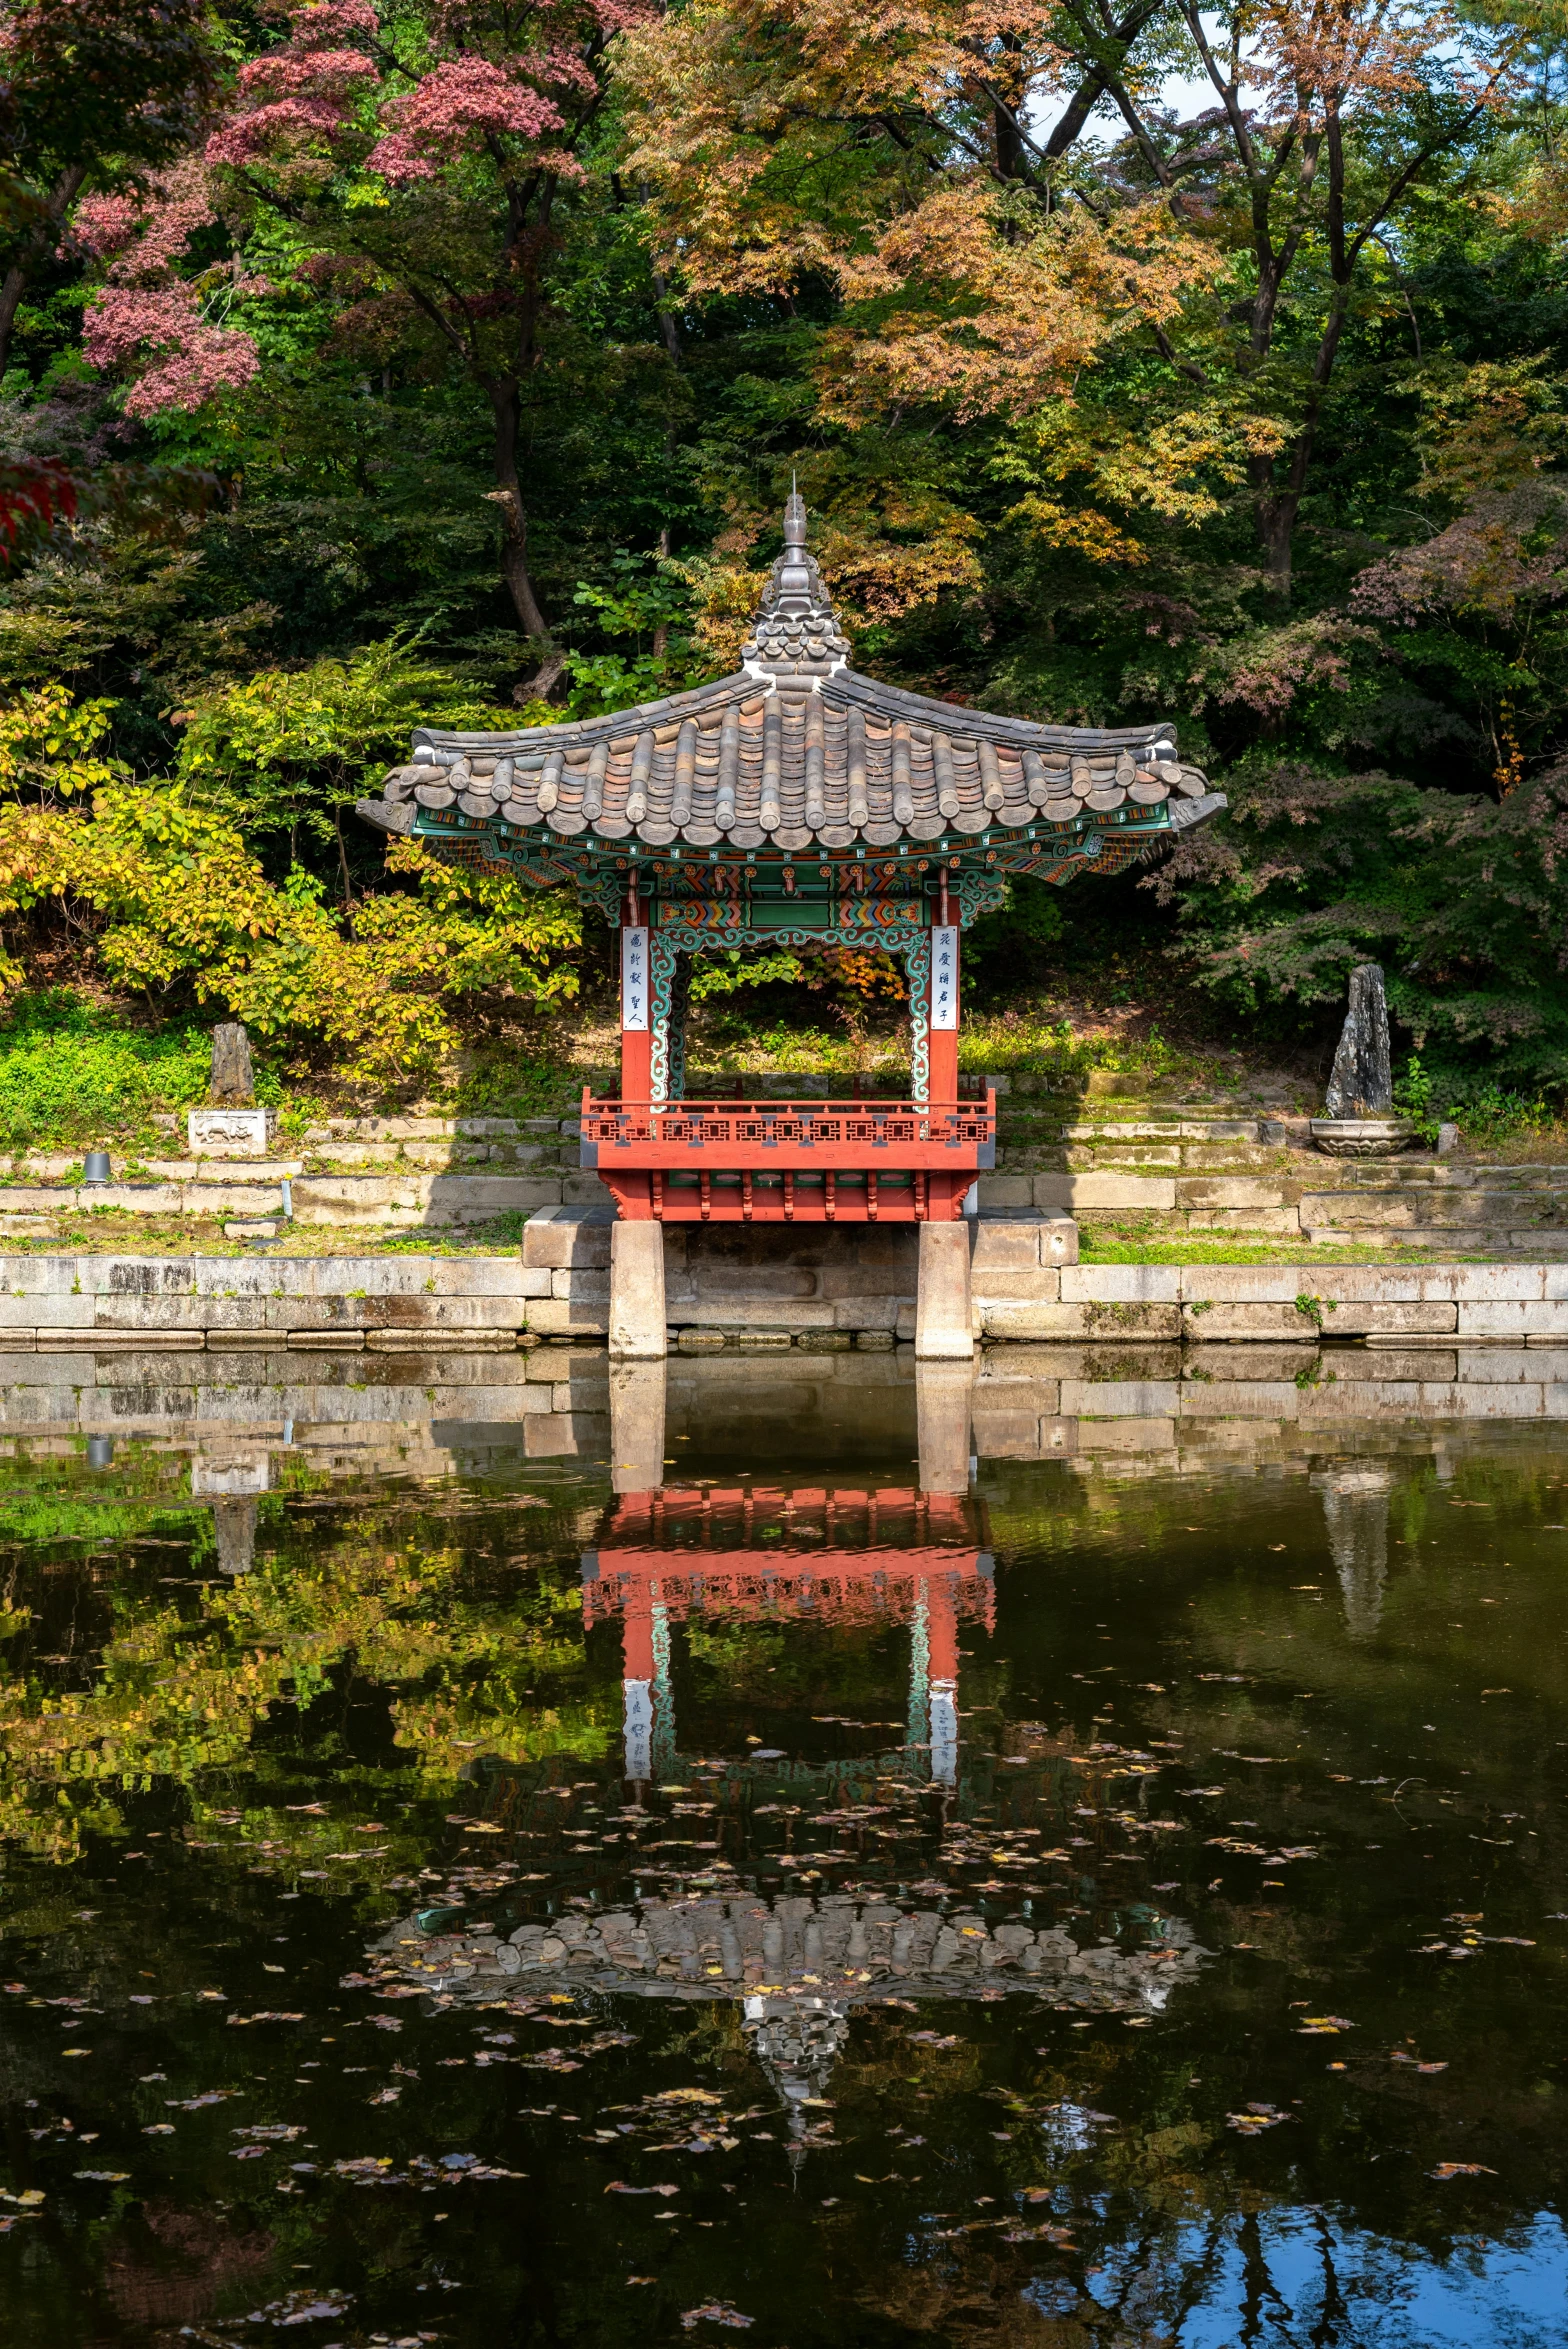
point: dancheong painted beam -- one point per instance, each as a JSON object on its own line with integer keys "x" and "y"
{"x": 800, "y": 805}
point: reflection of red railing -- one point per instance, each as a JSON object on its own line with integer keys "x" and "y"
{"x": 812, "y": 1161}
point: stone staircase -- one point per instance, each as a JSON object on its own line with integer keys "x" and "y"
{"x": 1181, "y": 1169}
{"x": 1135, "y": 1162}
{"x": 419, "y": 1173}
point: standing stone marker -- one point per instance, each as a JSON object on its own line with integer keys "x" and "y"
{"x": 233, "y": 1083}
{"x": 230, "y": 1125}
{"x": 1361, "y": 1083}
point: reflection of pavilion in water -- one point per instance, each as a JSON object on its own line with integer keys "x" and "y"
{"x": 805, "y": 1553}
{"x": 847, "y": 1553}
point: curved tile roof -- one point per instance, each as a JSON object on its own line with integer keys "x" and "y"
{"x": 794, "y": 750}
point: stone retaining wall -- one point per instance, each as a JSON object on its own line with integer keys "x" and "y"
{"x": 813, "y": 1290}
{"x": 816, "y": 1287}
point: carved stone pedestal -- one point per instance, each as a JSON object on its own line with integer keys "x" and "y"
{"x": 1361, "y": 1137}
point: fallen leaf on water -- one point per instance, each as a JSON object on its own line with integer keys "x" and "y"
{"x": 619, "y": 2186}
{"x": 1256, "y": 2117}
{"x": 715, "y": 2312}
{"x": 1462, "y": 2169}
{"x": 1324, "y": 2026}
{"x": 104, "y": 2177}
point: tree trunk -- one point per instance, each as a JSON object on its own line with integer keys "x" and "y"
{"x": 11, "y": 293}
{"x": 506, "y": 408}
{"x": 1276, "y": 521}
{"x": 32, "y": 251}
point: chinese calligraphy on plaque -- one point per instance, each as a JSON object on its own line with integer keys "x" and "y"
{"x": 944, "y": 975}
{"x": 634, "y": 979}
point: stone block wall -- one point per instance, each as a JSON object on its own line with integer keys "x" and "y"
{"x": 747, "y": 1282}
{"x": 1192, "y": 1167}
{"x": 737, "y": 1287}
{"x": 817, "y": 1285}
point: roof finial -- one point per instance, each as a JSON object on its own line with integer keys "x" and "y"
{"x": 795, "y": 516}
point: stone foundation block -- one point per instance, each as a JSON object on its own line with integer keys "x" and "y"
{"x": 113, "y": 1276}
{"x": 1133, "y": 1324}
{"x": 1006, "y": 1435}
{"x": 854, "y": 1281}
{"x": 58, "y": 1307}
{"x": 1227, "y": 1191}
{"x": 1058, "y": 1240}
{"x": 557, "y": 1239}
{"x": 171, "y": 1198}
{"x": 1122, "y": 1284}
{"x": 944, "y": 1316}
{"x": 998, "y": 1246}
{"x": 1344, "y": 1318}
{"x": 1522, "y": 1319}
{"x": 590, "y": 1287}
{"x": 1284, "y": 1222}
{"x": 1080, "y": 1194}
{"x": 1016, "y": 1286}
{"x": 635, "y": 1291}
{"x": 1001, "y": 1190}
{"x": 557, "y": 1317}
{"x": 869, "y": 1313}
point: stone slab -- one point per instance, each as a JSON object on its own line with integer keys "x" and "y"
{"x": 1081, "y": 1194}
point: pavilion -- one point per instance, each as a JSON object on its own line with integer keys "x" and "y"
{"x": 794, "y": 804}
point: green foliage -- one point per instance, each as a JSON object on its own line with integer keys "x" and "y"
{"x": 49, "y": 743}
{"x": 1457, "y": 895}
{"x": 648, "y": 601}
{"x": 286, "y": 750}
{"x": 1019, "y": 934}
{"x": 71, "y": 1073}
{"x": 1388, "y": 714}
{"x": 180, "y": 907}
{"x": 726, "y": 974}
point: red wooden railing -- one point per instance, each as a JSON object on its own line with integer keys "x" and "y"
{"x": 769, "y": 1160}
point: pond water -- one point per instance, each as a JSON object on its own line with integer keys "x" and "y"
{"x": 757, "y": 1865}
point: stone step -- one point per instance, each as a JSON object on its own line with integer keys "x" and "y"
{"x": 1444, "y": 1239}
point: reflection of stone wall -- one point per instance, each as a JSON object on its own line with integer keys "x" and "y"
{"x": 834, "y": 1948}
{"x": 1119, "y": 1407}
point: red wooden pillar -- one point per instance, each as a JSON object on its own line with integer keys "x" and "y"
{"x": 942, "y": 1676}
{"x": 943, "y": 1007}
{"x": 636, "y": 1002}
{"x": 637, "y": 1676}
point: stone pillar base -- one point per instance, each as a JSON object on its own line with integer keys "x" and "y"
{"x": 637, "y": 1292}
{"x": 944, "y": 1394}
{"x": 944, "y": 1320}
{"x": 637, "y": 1427}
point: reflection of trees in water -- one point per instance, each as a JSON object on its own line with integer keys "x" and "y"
{"x": 171, "y": 2265}
{"x": 175, "y": 1692}
{"x": 1355, "y": 1515}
